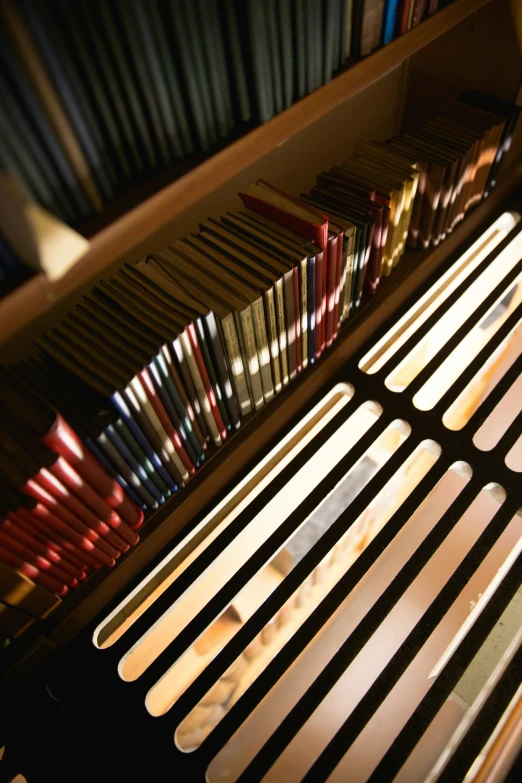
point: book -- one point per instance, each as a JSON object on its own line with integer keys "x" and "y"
{"x": 305, "y": 221}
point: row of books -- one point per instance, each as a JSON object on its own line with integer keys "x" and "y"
{"x": 98, "y": 96}
{"x": 169, "y": 354}
{"x": 376, "y": 22}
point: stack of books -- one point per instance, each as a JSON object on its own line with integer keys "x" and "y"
{"x": 98, "y": 96}
{"x": 168, "y": 355}
{"x": 63, "y": 514}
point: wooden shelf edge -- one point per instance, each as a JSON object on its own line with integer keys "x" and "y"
{"x": 32, "y": 299}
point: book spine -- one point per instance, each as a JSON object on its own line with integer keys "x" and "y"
{"x": 210, "y": 366}
{"x": 290, "y": 324}
{"x": 371, "y": 280}
{"x": 125, "y": 470}
{"x": 338, "y": 275}
{"x": 65, "y": 473}
{"x": 63, "y": 440}
{"x": 283, "y": 341}
{"x": 297, "y": 316}
{"x": 190, "y": 389}
{"x": 160, "y": 385}
{"x": 126, "y": 454}
{"x": 303, "y": 287}
{"x": 186, "y": 412}
{"x": 404, "y": 15}
{"x": 124, "y": 410}
{"x": 212, "y": 330}
{"x": 207, "y": 386}
{"x": 79, "y": 513}
{"x": 202, "y": 397}
{"x": 310, "y": 295}
{"x": 143, "y": 423}
{"x": 320, "y": 304}
{"x": 258, "y": 315}
{"x": 330, "y": 289}
{"x": 76, "y": 531}
{"x": 349, "y": 274}
{"x": 419, "y": 10}
{"x": 164, "y": 420}
{"x": 73, "y": 555}
{"x": 235, "y": 362}
{"x": 390, "y": 20}
{"x": 249, "y": 350}
{"x": 148, "y": 418}
{"x": 109, "y": 467}
{"x": 32, "y": 572}
{"x": 38, "y": 520}
{"x": 273, "y": 341}
{"x": 11, "y": 527}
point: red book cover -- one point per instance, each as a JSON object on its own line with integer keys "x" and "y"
{"x": 313, "y": 232}
{"x": 76, "y": 558}
{"x": 52, "y": 527}
{"x": 62, "y": 439}
{"x": 50, "y": 483}
{"x": 164, "y": 418}
{"x": 72, "y": 523}
{"x": 55, "y": 586}
{"x": 38, "y": 561}
{"x": 13, "y": 528}
{"x": 404, "y": 15}
{"x": 72, "y": 479}
{"x": 209, "y": 391}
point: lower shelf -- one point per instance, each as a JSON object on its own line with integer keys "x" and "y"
{"x": 250, "y": 441}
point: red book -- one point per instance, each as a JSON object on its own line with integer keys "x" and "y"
{"x": 63, "y": 440}
{"x": 79, "y": 512}
{"x": 403, "y": 16}
{"x": 70, "y": 553}
{"x": 72, "y": 479}
{"x": 41, "y": 520}
{"x": 78, "y": 531}
{"x": 303, "y": 220}
{"x": 44, "y": 565}
{"x": 13, "y": 528}
{"x": 34, "y": 573}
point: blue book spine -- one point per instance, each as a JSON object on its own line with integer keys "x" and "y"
{"x": 390, "y": 20}
{"x": 134, "y": 464}
{"x": 122, "y": 408}
{"x": 102, "y": 459}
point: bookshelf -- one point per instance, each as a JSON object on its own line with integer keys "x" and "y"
{"x": 447, "y": 49}
{"x": 127, "y": 237}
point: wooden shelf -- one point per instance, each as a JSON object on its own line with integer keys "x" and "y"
{"x": 255, "y": 436}
{"x": 126, "y": 239}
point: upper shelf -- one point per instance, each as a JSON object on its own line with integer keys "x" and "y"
{"x": 119, "y": 240}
